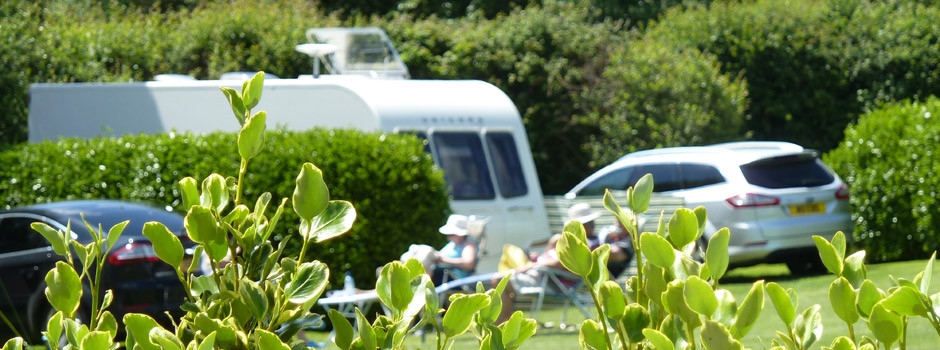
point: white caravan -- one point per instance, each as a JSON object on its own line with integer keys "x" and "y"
{"x": 473, "y": 130}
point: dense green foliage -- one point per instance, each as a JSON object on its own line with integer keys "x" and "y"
{"x": 400, "y": 199}
{"x": 890, "y": 161}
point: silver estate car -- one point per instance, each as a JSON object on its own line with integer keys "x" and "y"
{"x": 773, "y": 196}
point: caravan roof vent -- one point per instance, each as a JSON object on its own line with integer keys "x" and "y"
{"x": 357, "y": 51}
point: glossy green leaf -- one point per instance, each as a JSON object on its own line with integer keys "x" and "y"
{"x": 215, "y": 193}
{"x": 716, "y": 254}
{"x": 830, "y": 257}
{"x": 592, "y": 335}
{"x": 885, "y": 325}
{"x": 674, "y": 300}
{"x": 268, "y": 340}
{"x": 838, "y": 242}
{"x": 165, "y": 339}
{"x": 676, "y": 330}
{"x": 808, "y": 326}
{"x": 108, "y": 324}
{"x": 63, "y": 288}
{"x": 716, "y": 337}
{"x": 854, "y": 268}
{"x": 208, "y": 343}
{"x": 366, "y": 333}
{"x": 700, "y": 297}
{"x": 842, "y": 298}
{"x": 627, "y": 217}
{"x": 868, "y": 296}
{"x": 655, "y": 282}
{"x": 905, "y": 301}
{"x": 683, "y": 227}
{"x": 781, "y": 300}
{"x": 335, "y": 220}
{"x": 749, "y": 311}
{"x": 842, "y": 343}
{"x": 165, "y": 244}
{"x": 138, "y": 327}
{"x": 202, "y": 227}
{"x": 394, "y": 286}
{"x": 251, "y": 92}
{"x": 311, "y": 196}
{"x": 342, "y": 328}
{"x": 96, "y": 340}
{"x": 657, "y": 250}
{"x": 599, "y": 273}
{"x": 251, "y": 136}
{"x": 55, "y": 238}
{"x": 658, "y": 339}
{"x": 577, "y": 228}
{"x": 115, "y": 232}
{"x": 517, "y": 330}
{"x": 701, "y": 215}
{"x": 460, "y": 313}
{"x": 635, "y": 320}
{"x": 642, "y": 192}
{"x": 235, "y": 101}
{"x": 574, "y": 254}
{"x": 727, "y": 307}
{"x": 253, "y": 296}
{"x": 928, "y": 272}
{"x": 307, "y": 283}
{"x": 54, "y": 330}
{"x": 190, "y": 192}
{"x": 14, "y": 344}
{"x": 612, "y": 300}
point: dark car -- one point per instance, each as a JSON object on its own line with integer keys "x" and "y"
{"x": 140, "y": 281}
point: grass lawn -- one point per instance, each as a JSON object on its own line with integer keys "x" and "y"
{"x": 811, "y": 290}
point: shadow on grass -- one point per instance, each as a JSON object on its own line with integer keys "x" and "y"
{"x": 766, "y": 272}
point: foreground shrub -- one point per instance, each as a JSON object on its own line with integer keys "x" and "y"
{"x": 889, "y": 159}
{"x": 399, "y": 197}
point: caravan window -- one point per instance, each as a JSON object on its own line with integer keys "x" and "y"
{"x": 509, "y": 175}
{"x": 461, "y": 156}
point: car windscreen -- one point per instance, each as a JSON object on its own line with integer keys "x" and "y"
{"x": 787, "y": 171}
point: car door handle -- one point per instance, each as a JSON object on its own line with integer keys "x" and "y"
{"x": 520, "y": 207}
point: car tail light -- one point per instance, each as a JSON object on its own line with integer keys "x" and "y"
{"x": 843, "y": 192}
{"x": 752, "y": 200}
{"x": 133, "y": 252}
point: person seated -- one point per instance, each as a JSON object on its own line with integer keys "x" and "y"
{"x": 621, "y": 248}
{"x": 459, "y": 256}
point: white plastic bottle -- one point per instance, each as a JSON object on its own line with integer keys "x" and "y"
{"x": 349, "y": 285}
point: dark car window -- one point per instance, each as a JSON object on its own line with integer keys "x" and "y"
{"x": 461, "y": 156}
{"x": 665, "y": 176}
{"x": 615, "y": 180}
{"x": 506, "y": 163}
{"x": 698, "y": 175}
{"x": 787, "y": 172}
{"x": 16, "y": 235}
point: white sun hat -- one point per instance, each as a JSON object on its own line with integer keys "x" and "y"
{"x": 583, "y": 213}
{"x": 456, "y": 225}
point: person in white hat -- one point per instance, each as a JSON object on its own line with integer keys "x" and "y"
{"x": 459, "y": 256}
{"x": 583, "y": 213}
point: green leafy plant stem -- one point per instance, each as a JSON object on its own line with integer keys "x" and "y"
{"x": 306, "y": 237}
{"x": 902, "y": 341}
{"x": 242, "y": 169}
{"x": 640, "y": 282}
{"x": 623, "y": 339}
{"x": 600, "y": 312}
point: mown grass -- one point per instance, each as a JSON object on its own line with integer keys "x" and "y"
{"x": 810, "y": 289}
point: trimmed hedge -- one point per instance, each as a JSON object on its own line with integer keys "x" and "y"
{"x": 399, "y": 197}
{"x": 890, "y": 161}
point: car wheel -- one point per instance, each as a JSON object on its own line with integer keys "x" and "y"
{"x": 806, "y": 267}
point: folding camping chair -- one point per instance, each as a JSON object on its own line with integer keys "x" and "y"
{"x": 557, "y": 284}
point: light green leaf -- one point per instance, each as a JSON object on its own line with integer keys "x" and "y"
{"x": 749, "y": 311}
{"x": 612, "y": 299}
{"x": 642, "y": 191}
{"x": 635, "y": 321}
{"x": 676, "y": 330}
{"x": 343, "y": 329}
{"x": 683, "y": 227}
{"x": 842, "y": 343}
{"x": 701, "y": 215}
{"x": 14, "y": 344}
{"x": 165, "y": 339}
{"x": 574, "y": 254}
{"x": 781, "y": 300}
{"x": 96, "y": 340}
{"x": 307, "y": 283}
{"x": 517, "y": 330}
{"x": 311, "y": 196}
{"x": 700, "y": 296}
{"x": 268, "y": 340}
{"x": 54, "y": 330}
{"x": 842, "y": 298}
{"x": 214, "y": 193}
{"x": 63, "y": 288}
{"x": 394, "y": 287}
{"x": 657, "y": 250}
{"x": 251, "y": 136}
{"x": 727, "y": 307}
{"x": 108, "y": 324}
{"x": 627, "y": 217}
{"x": 190, "y": 192}
{"x": 659, "y": 340}
{"x": 252, "y": 295}
{"x": 592, "y": 335}
{"x": 854, "y": 268}
{"x": 656, "y": 283}
{"x": 716, "y": 337}
{"x": 838, "y": 242}
{"x": 138, "y": 328}
{"x": 906, "y": 301}
{"x": 460, "y": 313}
{"x": 55, "y": 238}
{"x": 716, "y": 254}
{"x": 202, "y": 227}
{"x": 577, "y": 228}
{"x": 928, "y": 272}
{"x": 868, "y": 296}
{"x": 251, "y": 92}
{"x": 885, "y": 325}
{"x": 808, "y": 326}
{"x": 335, "y": 220}
{"x": 599, "y": 273}
{"x": 208, "y": 343}
{"x": 115, "y": 232}
{"x": 829, "y": 255}
{"x": 235, "y": 101}
{"x": 165, "y": 244}
{"x": 366, "y": 333}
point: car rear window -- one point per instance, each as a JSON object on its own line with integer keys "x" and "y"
{"x": 787, "y": 172}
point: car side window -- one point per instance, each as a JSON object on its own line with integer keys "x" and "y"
{"x": 16, "y": 235}
{"x": 465, "y": 170}
{"x": 506, "y": 163}
{"x": 665, "y": 176}
{"x": 698, "y": 175}
{"x": 615, "y": 180}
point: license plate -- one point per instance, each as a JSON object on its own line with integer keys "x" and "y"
{"x": 806, "y": 209}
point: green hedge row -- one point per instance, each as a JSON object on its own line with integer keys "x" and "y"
{"x": 890, "y": 160}
{"x": 399, "y": 197}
